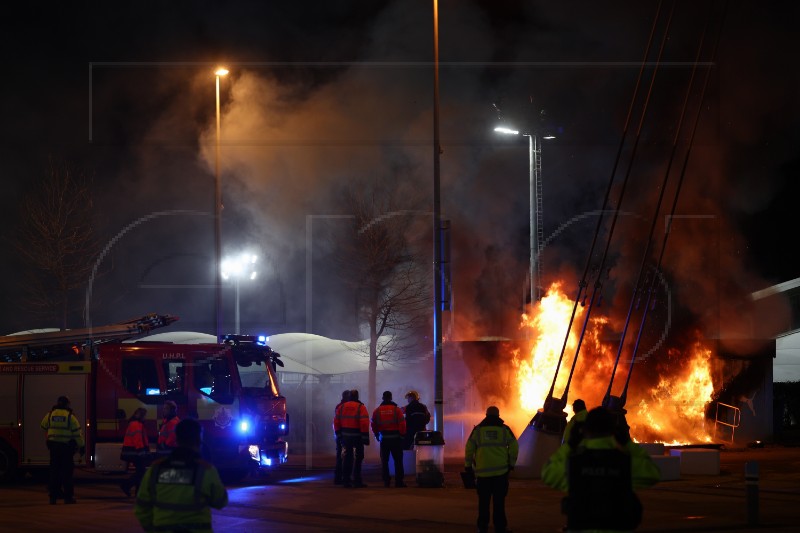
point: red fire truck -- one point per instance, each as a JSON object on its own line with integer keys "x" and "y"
{"x": 230, "y": 387}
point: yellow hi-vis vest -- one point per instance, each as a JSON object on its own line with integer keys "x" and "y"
{"x": 62, "y": 426}
{"x": 492, "y": 449}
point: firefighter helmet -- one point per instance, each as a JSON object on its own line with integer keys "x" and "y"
{"x": 413, "y": 394}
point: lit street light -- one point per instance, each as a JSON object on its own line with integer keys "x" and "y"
{"x": 217, "y": 222}
{"x": 535, "y": 178}
{"x": 238, "y": 267}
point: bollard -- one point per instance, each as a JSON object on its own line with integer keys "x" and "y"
{"x": 751, "y": 484}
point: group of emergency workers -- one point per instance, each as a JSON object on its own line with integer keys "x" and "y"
{"x": 174, "y": 494}
{"x": 393, "y": 426}
{"x": 597, "y": 465}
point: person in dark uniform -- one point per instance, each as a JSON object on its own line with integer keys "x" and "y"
{"x": 417, "y": 418}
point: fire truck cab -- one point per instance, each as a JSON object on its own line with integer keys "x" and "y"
{"x": 230, "y": 387}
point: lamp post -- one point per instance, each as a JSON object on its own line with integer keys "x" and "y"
{"x": 535, "y": 179}
{"x": 237, "y": 268}
{"x": 217, "y": 222}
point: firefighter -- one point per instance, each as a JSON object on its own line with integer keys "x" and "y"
{"x": 490, "y": 454}
{"x": 178, "y": 491}
{"x": 389, "y": 428}
{"x": 135, "y": 449}
{"x": 337, "y": 475}
{"x": 576, "y": 422}
{"x": 417, "y": 418}
{"x": 600, "y": 474}
{"x": 167, "y": 441}
{"x": 352, "y": 423}
{"x": 64, "y": 438}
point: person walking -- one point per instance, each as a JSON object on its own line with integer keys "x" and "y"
{"x": 600, "y": 474}
{"x": 64, "y": 438}
{"x": 490, "y": 454}
{"x": 389, "y": 428}
{"x": 352, "y": 424}
{"x": 135, "y": 449}
{"x": 575, "y": 423}
{"x": 178, "y": 492}
{"x": 337, "y": 475}
{"x": 417, "y": 418}
{"x": 167, "y": 440}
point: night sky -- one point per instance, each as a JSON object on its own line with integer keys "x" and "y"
{"x": 326, "y": 93}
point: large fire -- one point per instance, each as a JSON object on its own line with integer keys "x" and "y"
{"x": 671, "y": 411}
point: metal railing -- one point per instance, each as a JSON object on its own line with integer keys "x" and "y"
{"x": 732, "y": 417}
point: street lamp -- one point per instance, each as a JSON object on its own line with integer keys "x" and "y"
{"x": 535, "y": 178}
{"x": 238, "y": 267}
{"x": 217, "y": 222}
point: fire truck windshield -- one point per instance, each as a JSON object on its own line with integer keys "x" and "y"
{"x": 256, "y": 376}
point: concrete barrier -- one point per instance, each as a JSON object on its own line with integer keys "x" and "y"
{"x": 697, "y": 461}
{"x": 669, "y": 466}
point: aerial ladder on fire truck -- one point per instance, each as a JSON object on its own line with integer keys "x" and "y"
{"x": 77, "y": 343}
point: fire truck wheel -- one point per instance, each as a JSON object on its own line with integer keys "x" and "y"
{"x": 8, "y": 462}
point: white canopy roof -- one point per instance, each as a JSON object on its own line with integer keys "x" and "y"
{"x": 302, "y": 353}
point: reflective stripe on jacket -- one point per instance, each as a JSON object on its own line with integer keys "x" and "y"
{"x": 176, "y": 494}
{"x": 351, "y": 419}
{"x": 166, "y": 435}
{"x": 62, "y": 426}
{"x": 492, "y": 448}
{"x": 135, "y": 436}
{"x": 388, "y": 420}
{"x": 643, "y": 469}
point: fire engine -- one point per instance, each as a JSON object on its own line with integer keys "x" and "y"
{"x": 230, "y": 387}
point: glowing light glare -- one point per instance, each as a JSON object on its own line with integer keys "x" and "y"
{"x": 254, "y": 452}
{"x": 221, "y": 71}
{"x": 239, "y": 266}
{"x": 506, "y": 131}
{"x": 244, "y": 425}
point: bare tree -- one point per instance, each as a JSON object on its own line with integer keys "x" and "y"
{"x": 377, "y": 261}
{"x": 57, "y": 243}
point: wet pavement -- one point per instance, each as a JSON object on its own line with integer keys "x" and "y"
{"x": 301, "y": 497}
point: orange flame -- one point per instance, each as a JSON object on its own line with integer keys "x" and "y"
{"x": 671, "y": 411}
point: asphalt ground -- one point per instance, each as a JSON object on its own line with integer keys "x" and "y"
{"x": 301, "y": 497}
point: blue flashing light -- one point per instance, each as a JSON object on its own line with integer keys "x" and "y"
{"x": 152, "y": 392}
{"x": 262, "y": 339}
{"x": 244, "y": 425}
{"x": 283, "y": 427}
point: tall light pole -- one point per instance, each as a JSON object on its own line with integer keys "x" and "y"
{"x": 238, "y": 267}
{"x": 438, "y": 274}
{"x": 535, "y": 185}
{"x": 217, "y": 222}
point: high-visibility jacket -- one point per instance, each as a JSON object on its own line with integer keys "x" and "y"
{"x": 599, "y": 499}
{"x": 135, "y": 436}
{"x": 351, "y": 420}
{"x": 388, "y": 421}
{"x": 335, "y": 416}
{"x": 644, "y": 471}
{"x": 177, "y": 492}
{"x": 491, "y": 447}
{"x": 166, "y": 435}
{"x": 62, "y": 426}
